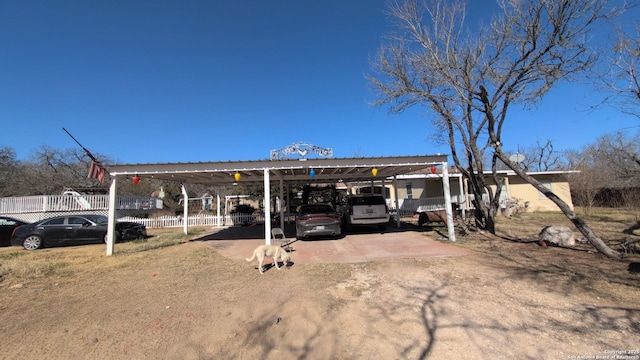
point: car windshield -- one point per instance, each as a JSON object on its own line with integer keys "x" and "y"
{"x": 315, "y": 209}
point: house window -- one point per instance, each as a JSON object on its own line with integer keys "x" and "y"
{"x": 409, "y": 191}
{"x": 56, "y": 221}
{"x": 547, "y": 184}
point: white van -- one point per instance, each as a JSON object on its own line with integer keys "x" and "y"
{"x": 366, "y": 209}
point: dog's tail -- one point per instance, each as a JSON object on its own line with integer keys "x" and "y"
{"x": 252, "y": 257}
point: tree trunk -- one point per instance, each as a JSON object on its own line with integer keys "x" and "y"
{"x": 484, "y": 217}
{"x": 564, "y": 207}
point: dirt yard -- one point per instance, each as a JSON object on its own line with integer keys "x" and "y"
{"x": 508, "y": 300}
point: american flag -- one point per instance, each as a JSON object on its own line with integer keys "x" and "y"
{"x": 96, "y": 171}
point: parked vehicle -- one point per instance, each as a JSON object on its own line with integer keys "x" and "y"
{"x": 7, "y": 224}
{"x": 427, "y": 214}
{"x": 365, "y": 209}
{"x": 317, "y": 220}
{"x": 73, "y": 229}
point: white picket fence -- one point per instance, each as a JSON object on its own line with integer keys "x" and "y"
{"x": 75, "y": 202}
{"x": 168, "y": 221}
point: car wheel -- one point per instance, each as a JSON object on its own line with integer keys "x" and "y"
{"x": 32, "y": 242}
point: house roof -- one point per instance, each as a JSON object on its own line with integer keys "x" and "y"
{"x": 532, "y": 173}
{"x": 289, "y": 170}
{"x": 453, "y": 172}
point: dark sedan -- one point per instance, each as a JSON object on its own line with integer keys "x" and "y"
{"x": 72, "y": 230}
{"x": 318, "y": 220}
{"x": 7, "y": 225}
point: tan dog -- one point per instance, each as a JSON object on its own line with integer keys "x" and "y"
{"x": 271, "y": 251}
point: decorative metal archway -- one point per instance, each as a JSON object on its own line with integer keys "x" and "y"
{"x": 301, "y": 149}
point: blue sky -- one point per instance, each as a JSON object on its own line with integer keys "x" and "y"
{"x": 186, "y": 81}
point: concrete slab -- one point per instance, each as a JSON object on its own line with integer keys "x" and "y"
{"x": 239, "y": 243}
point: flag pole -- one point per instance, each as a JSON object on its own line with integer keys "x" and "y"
{"x": 83, "y": 148}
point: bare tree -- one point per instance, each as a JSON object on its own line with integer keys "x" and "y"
{"x": 619, "y": 154}
{"x": 588, "y": 180}
{"x": 59, "y": 169}
{"x": 49, "y": 171}
{"x": 609, "y": 170}
{"x": 622, "y": 81}
{"x": 540, "y": 157}
{"x": 9, "y": 171}
{"x": 469, "y": 78}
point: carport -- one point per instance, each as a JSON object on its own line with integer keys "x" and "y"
{"x": 318, "y": 171}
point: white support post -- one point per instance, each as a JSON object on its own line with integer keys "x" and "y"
{"x": 466, "y": 194}
{"x": 395, "y": 195}
{"x": 447, "y": 201}
{"x": 185, "y": 218}
{"x": 218, "y": 222}
{"x": 282, "y": 207}
{"x": 111, "y": 224}
{"x": 267, "y": 208}
{"x": 463, "y": 207}
{"x": 288, "y": 207}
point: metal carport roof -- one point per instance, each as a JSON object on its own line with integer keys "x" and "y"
{"x": 288, "y": 170}
{"x": 325, "y": 170}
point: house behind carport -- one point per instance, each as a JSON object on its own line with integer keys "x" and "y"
{"x": 424, "y": 187}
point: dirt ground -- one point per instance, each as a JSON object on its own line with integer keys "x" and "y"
{"x": 508, "y": 300}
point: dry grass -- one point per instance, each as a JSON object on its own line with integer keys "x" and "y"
{"x": 609, "y": 224}
{"x": 67, "y": 261}
{"x": 154, "y": 300}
